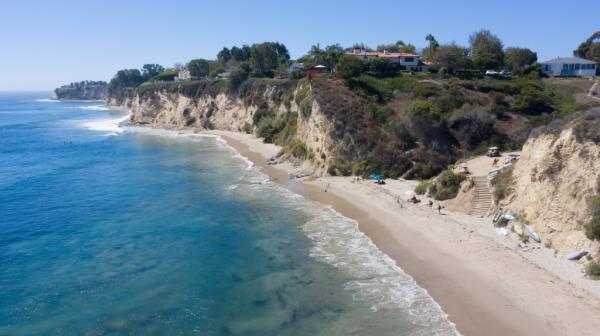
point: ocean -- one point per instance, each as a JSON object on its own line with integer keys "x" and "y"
{"x": 129, "y": 231}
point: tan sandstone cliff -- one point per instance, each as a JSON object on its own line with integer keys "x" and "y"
{"x": 558, "y": 172}
{"x": 235, "y": 112}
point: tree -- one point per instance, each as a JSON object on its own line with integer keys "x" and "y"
{"x": 486, "y": 50}
{"x": 350, "y": 66}
{"x": 382, "y": 67}
{"x": 240, "y": 54}
{"x": 199, "y": 67}
{"x": 151, "y": 70}
{"x": 452, "y": 57}
{"x": 332, "y": 55}
{"x": 360, "y": 45}
{"x": 516, "y": 59}
{"x": 224, "y": 55}
{"x": 590, "y": 49}
{"x": 127, "y": 78}
{"x": 267, "y": 57}
{"x": 429, "y": 51}
{"x": 238, "y": 76}
{"x": 399, "y": 46}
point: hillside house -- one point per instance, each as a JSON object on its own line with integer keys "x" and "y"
{"x": 409, "y": 61}
{"x": 569, "y": 66}
{"x": 183, "y": 75}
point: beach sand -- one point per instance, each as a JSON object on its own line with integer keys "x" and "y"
{"x": 484, "y": 284}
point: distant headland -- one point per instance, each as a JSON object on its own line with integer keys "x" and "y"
{"x": 84, "y": 90}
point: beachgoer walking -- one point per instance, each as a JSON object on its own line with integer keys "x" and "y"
{"x": 495, "y": 162}
{"x": 439, "y": 208}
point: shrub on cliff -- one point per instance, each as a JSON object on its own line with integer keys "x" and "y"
{"x": 533, "y": 101}
{"x": 238, "y": 76}
{"x": 503, "y": 185}
{"x": 592, "y": 270}
{"x": 446, "y": 185}
{"x": 298, "y": 148}
{"x": 350, "y": 66}
{"x": 592, "y": 228}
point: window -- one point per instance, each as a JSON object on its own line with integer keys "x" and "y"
{"x": 577, "y": 66}
{"x": 409, "y": 59}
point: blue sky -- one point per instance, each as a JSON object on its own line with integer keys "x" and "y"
{"x": 48, "y": 43}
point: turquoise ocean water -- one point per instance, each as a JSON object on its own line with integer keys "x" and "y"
{"x": 112, "y": 231}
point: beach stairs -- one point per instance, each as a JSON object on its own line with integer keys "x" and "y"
{"x": 483, "y": 199}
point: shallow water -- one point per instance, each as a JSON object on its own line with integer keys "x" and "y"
{"x": 105, "y": 231}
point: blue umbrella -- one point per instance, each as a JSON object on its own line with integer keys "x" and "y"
{"x": 376, "y": 177}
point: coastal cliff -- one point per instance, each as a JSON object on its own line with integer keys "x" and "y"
{"x": 303, "y": 127}
{"x": 84, "y": 90}
{"x": 555, "y": 179}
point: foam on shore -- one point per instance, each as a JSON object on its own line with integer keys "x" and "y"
{"x": 46, "y": 100}
{"x": 111, "y": 125}
{"x": 377, "y": 279}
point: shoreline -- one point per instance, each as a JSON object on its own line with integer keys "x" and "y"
{"x": 483, "y": 286}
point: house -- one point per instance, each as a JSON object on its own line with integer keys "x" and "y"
{"x": 295, "y": 67}
{"x": 569, "y": 66}
{"x": 183, "y": 75}
{"x": 409, "y": 61}
{"x": 223, "y": 75}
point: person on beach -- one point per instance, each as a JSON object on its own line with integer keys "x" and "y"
{"x": 495, "y": 162}
{"x": 439, "y": 208}
{"x": 430, "y": 203}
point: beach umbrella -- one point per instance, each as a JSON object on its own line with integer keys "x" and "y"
{"x": 376, "y": 177}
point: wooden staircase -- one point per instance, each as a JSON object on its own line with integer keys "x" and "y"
{"x": 483, "y": 200}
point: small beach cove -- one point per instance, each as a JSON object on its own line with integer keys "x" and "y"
{"x": 485, "y": 286}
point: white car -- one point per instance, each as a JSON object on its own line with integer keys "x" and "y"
{"x": 492, "y": 73}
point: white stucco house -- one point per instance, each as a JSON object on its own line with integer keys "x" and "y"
{"x": 569, "y": 66}
{"x": 408, "y": 61}
{"x": 183, "y": 75}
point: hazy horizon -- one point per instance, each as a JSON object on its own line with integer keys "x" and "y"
{"x": 51, "y": 44}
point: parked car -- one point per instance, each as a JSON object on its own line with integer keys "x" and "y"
{"x": 491, "y": 73}
{"x": 493, "y": 152}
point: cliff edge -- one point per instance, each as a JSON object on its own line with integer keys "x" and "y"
{"x": 555, "y": 179}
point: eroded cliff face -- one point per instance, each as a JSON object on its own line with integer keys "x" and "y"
{"x": 558, "y": 172}
{"x": 235, "y": 112}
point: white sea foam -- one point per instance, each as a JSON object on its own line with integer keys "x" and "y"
{"x": 338, "y": 241}
{"x": 378, "y": 280}
{"x": 106, "y": 125}
{"x": 45, "y": 100}
{"x": 91, "y": 107}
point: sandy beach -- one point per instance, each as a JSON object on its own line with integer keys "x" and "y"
{"x": 481, "y": 280}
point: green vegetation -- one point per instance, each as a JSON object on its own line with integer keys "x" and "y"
{"x": 198, "y": 68}
{"x": 592, "y": 228}
{"x": 593, "y": 270}
{"x": 519, "y": 60}
{"x": 166, "y": 76}
{"x": 298, "y": 148}
{"x": 446, "y": 186}
{"x": 590, "y": 49}
{"x": 502, "y": 184}
{"x": 423, "y": 187}
{"x": 486, "y": 50}
{"x": 384, "y": 118}
{"x": 151, "y": 70}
